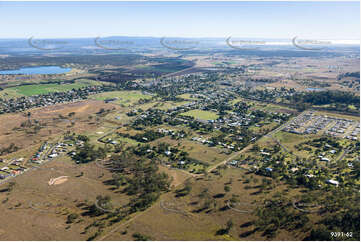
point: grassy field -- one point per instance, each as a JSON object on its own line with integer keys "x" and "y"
{"x": 289, "y": 140}
{"x": 268, "y": 126}
{"x": 200, "y": 114}
{"x": 234, "y": 101}
{"x": 123, "y": 97}
{"x": 9, "y": 93}
{"x": 48, "y": 206}
{"x": 210, "y": 155}
{"x": 120, "y": 139}
{"x": 37, "y": 89}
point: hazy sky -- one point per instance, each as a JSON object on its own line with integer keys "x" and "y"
{"x": 322, "y": 20}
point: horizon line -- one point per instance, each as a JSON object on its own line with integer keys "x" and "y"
{"x": 185, "y": 37}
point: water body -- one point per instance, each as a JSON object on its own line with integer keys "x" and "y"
{"x": 36, "y": 70}
{"x": 315, "y": 89}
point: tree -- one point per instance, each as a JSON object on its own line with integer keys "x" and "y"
{"x": 184, "y": 191}
{"x": 29, "y": 115}
{"x": 229, "y": 225}
{"x": 71, "y": 218}
{"x": 118, "y": 179}
{"x": 11, "y": 186}
{"x": 88, "y": 153}
{"x": 83, "y": 138}
{"x": 234, "y": 198}
{"x": 226, "y": 230}
{"x": 141, "y": 237}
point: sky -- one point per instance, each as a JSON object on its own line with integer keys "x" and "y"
{"x": 316, "y": 20}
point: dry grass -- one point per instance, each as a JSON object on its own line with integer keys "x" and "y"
{"x": 37, "y": 211}
{"x": 52, "y": 126}
{"x": 182, "y": 223}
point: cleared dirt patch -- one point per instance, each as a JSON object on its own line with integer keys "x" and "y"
{"x": 57, "y": 181}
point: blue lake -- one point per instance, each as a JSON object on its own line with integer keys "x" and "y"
{"x": 315, "y": 89}
{"x": 36, "y": 70}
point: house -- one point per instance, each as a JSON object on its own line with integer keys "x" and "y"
{"x": 333, "y": 182}
{"x": 4, "y": 175}
{"x": 15, "y": 172}
{"x": 53, "y": 155}
{"x": 294, "y": 169}
{"x": 5, "y": 168}
{"x": 167, "y": 152}
{"x": 233, "y": 162}
{"x": 265, "y": 153}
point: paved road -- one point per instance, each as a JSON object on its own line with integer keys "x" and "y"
{"x": 228, "y": 159}
{"x": 342, "y": 156}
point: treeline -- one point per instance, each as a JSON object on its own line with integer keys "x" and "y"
{"x": 137, "y": 177}
{"x": 341, "y": 213}
{"x": 145, "y": 137}
{"x": 10, "y": 149}
{"x": 263, "y": 80}
{"x": 349, "y": 74}
{"x": 326, "y": 97}
{"x": 338, "y": 209}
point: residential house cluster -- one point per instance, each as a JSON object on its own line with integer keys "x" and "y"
{"x": 23, "y": 103}
{"x": 312, "y": 123}
{"x": 12, "y": 168}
